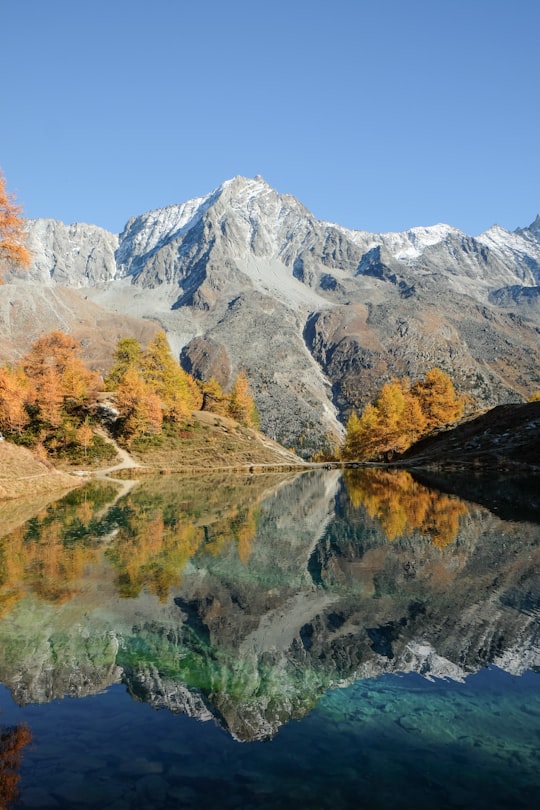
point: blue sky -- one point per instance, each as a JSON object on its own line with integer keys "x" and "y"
{"x": 377, "y": 115}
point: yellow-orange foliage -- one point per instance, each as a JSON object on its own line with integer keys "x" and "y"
{"x": 241, "y": 403}
{"x": 150, "y": 386}
{"x": 138, "y": 405}
{"x": 58, "y": 375}
{"x": 176, "y": 389}
{"x": 402, "y": 506}
{"x": 438, "y": 400}
{"x": 14, "y": 394}
{"x": 401, "y": 415}
{"x": 214, "y": 399}
{"x": 12, "y": 236}
{"x": 85, "y": 434}
{"x": 12, "y": 740}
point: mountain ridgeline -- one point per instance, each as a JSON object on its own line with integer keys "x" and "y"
{"x": 318, "y": 316}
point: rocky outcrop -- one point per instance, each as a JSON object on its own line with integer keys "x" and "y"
{"x": 75, "y": 255}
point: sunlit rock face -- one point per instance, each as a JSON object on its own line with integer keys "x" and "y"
{"x": 319, "y": 316}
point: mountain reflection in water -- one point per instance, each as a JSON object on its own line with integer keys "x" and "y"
{"x": 245, "y": 599}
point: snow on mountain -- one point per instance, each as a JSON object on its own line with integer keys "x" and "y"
{"x": 77, "y": 255}
{"x": 402, "y": 245}
{"x": 276, "y": 242}
{"x": 519, "y": 250}
{"x": 146, "y": 233}
{"x": 412, "y": 243}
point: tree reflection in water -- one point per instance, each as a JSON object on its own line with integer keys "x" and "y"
{"x": 149, "y": 536}
{"x": 402, "y": 506}
{"x": 159, "y": 533}
{"x": 48, "y": 555}
{"x": 12, "y": 740}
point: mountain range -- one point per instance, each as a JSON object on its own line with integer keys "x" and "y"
{"x": 319, "y": 316}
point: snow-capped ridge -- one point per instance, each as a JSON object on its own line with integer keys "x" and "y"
{"x": 402, "y": 245}
{"x": 242, "y": 186}
{"x": 533, "y": 228}
{"x": 148, "y": 232}
{"x": 519, "y": 248}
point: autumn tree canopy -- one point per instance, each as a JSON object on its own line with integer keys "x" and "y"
{"x": 54, "y": 362}
{"x": 214, "y": 398}
{"x": 401, "y": 415}
{"x": 49, "y": 399}
{"x": 127, "y": 354}
{"x": 46, "y": 397}
{"x": 176, "y": 388}
{"x": 150, "y": 386}
{"x": 12, "y": 235}
{"x": 241, "y": 403}
{"x": 139, "y": 407}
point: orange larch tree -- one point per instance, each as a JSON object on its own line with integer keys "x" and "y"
{"x": 176, "y": 389}
{"x": 12, "y": 235}
{"x": 401, "y": 415}
{"x": 139, "y": 407}
{"x": 438, "y": 399}
{"x": 241, "y": 403}
{"x": 14, "y": 394}
{"x": 59, "y": 353}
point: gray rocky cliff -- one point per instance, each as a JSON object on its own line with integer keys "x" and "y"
{"x": 75, "y": 255}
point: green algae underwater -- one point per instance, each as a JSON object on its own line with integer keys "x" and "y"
{"x": 322, "y": 640}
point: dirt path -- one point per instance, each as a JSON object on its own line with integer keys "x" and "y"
{"x": 127, "y": 463}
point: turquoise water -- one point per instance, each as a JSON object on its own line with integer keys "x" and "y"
{"x": 319, "y": 641}
{"x": 392, "y": 743}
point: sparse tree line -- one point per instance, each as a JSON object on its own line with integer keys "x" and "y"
{"x": 49, "y": 400}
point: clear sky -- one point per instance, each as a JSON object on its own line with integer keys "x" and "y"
{"x": 379, "y": 115}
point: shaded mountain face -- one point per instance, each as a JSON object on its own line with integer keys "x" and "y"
{"x": 319, "y": 316}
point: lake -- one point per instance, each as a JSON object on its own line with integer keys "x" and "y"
{"x": 331, "y": 639}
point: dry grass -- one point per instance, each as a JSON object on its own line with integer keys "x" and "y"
{"x": 22, "y": 474}
{"x": 211, "y": 442}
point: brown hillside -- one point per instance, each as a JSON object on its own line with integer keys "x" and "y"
{"x": 211, "y": 442}
{"x": 28, "y": 312}
{"x": 22, "y": 474}
{"x": 505, "y": 437}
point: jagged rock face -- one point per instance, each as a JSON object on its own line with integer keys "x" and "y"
{"x": 319, "y": 316}
{"x": 75, "y": 255}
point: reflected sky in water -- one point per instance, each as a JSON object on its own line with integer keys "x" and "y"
{"x": 379, "y": 636}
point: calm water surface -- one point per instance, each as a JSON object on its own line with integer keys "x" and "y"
{"x": 325, "y": 640}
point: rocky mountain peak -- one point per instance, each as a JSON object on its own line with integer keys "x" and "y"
{"x": 534, "y": 227}
{"x": 244, "y": 189}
